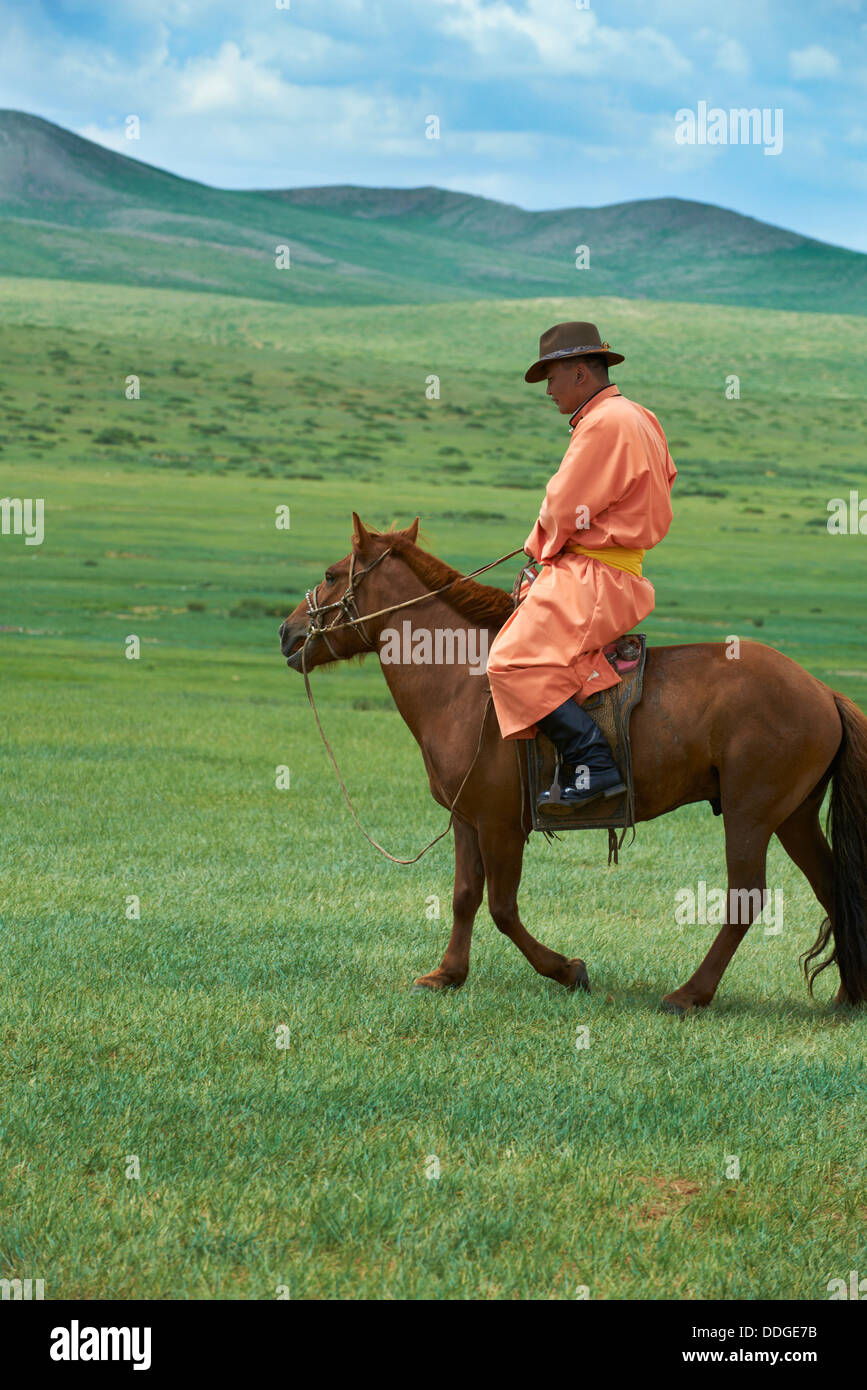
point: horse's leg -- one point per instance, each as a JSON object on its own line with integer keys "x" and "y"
{"x": 746, "y": 854}
{"x": 502, "y": 852}
{"x": 469, "y": 889}
{"x": 804, "y": 841}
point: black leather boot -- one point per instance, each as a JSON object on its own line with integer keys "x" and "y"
{"x": 588, "y": 769}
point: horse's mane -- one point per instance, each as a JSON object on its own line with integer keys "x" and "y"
{"x": 481, "y": 603}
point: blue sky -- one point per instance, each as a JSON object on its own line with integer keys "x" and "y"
{"x": 540, "y": 102}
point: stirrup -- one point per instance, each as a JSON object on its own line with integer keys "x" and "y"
{"x": 562, "y": 801}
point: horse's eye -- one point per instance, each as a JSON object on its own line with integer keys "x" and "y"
{"x": 329, "y": 577}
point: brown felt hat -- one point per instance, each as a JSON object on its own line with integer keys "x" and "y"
{"x": 569, "y": 340}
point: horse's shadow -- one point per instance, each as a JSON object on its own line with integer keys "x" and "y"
{"x": 646, "y": 997}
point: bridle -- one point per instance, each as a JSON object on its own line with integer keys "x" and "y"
{"x": 345, "y": 604}
{"x": 348, "y": 606}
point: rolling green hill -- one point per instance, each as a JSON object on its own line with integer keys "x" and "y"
{"x": 70, "y": 209}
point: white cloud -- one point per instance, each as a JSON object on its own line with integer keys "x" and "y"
{"x": 229, "y": 82}
{"x": 507, "y": 146}
{"x": 558, "y": 39}
{"x": 732, "y": 58}
{"x": 305, "y": 53}
{"x": 813, "y": 61}
{"x": 729, "y": 56}
{"x": 666, "y": 154}
{"x": 235, "y": 123}
{"x": 110, "y": 138}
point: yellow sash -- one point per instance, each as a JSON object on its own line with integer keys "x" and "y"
{"x": 617, "y": 555}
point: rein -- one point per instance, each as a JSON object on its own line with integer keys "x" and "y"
{"x": 346, "y": 604}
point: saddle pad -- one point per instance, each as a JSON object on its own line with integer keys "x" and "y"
{"x": 610, "y": 710}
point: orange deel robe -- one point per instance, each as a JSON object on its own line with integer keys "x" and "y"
{"x": 618, "y": 468}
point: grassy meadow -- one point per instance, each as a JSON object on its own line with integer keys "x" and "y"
{"x": 265, "y": 918}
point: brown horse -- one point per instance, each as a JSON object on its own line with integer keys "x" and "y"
{"x": 757, "y": 737}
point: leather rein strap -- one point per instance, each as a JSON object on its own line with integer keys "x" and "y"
{"x": 347, "y": 605}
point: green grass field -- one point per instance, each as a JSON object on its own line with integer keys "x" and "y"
{"x": 262, "y": 910}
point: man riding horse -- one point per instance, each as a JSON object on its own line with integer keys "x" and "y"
{"x": 604, "y": 508}
{"x": 759, "y": 738}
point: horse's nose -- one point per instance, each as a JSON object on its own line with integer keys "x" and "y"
{"x": 282, "y": 628}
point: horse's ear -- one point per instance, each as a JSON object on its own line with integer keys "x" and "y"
{"x": 360, "y": 534}
{"x": 412, "y": 531}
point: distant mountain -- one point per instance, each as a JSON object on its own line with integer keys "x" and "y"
{"x": 70, "y": 209}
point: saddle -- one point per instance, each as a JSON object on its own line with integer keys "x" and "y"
{"x": 610, "y": 710}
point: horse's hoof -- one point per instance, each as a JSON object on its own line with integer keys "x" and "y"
{"x": 427, "y": 984}
{"x": 842, "y": 1003}
{"x": 580, "y": 978}
{"x": 673, "y": 1005}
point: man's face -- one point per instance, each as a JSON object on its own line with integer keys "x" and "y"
{"x": 568, "y": 384}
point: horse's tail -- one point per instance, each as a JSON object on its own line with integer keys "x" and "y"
{"x": 847, "y": 829}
